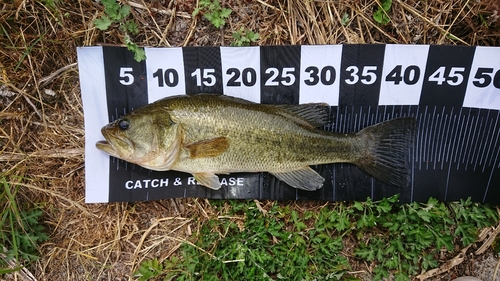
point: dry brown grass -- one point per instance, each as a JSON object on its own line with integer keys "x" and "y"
{"x": 42, "y": 134}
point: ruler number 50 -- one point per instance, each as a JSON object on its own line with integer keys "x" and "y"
{"x": 483, "y": 78}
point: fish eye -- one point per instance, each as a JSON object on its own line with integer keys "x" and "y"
{"x": 123, "y": 124}
{"x": 171, "y": 122}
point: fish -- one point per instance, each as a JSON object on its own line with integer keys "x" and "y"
{"x": 210, "y": 134}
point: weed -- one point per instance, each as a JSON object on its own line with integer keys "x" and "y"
{"x": 380, "y": 15}
{"x": 114, "y": 13}
{"x": 410, "y": 236}
{"x": 399, "y": 240}
{"x": 20, "y": 230}
{"x": 149, "y": 269}
{"x": 213, "y": 12}
{"x": 345, "y": 19}
{"x": 243, "y": 37}
{"x": 279, "y": 245}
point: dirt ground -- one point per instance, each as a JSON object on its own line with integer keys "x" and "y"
{"x": 41, "y": 113}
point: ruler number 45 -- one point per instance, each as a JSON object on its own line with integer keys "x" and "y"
{"x": 455, "y": 76}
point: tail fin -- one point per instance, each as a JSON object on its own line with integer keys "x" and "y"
{"x": 388, "y": 144}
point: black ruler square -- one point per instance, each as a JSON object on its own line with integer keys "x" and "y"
{"x": 280, "y": 68}
{"x": 446, "y": 75}
{"x": 202, "y": 70}
{"x": 360, "y": 77}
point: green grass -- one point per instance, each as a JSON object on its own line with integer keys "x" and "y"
{"x": 401, "y": 240}
{"x": 21, "y": 231}
{"x": 117, "y": 14}
{"x": 243, "y": 37}
{"x": 381, "y": 14}
{"x": 213, "y": 11}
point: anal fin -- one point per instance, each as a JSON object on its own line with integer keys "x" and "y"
{"x": 304, "y": 178}
{"x": 209, "y": 180}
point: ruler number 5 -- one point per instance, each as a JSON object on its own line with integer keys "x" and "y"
{"x": 368, "y": 75}
{"x": 455, "y": 77}
{"x": 128, "y": 78}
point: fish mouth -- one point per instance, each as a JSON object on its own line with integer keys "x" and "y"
{"x": 113, "y": 144}
{"x": 106, "y": 147}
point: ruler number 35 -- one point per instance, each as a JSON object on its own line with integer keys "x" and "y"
{"x": 368, "y": 75}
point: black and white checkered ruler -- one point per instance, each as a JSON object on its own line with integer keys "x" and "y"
{"x": 453, "y": 92}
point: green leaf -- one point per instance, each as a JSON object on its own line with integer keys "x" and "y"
{"x": 345, "y": 19}
{"x": 401, "y": 277}
{"x": 380, "y": 15}
{"x": 124, "y": 11}
{"x": 196, "y": 11}
{"x": 365, "y": 252}
{"x": 384, "y": 207}
{"x": 358, "y": 206}
{"x": 131, "y": 27}
{"x": 428, "y": 262}
{"x": 444, "y": 241}
{"x": 380, "y": 273}
{"x": 225, "y": 13}
{"x": 103, "y": 23}
{"x": 386, "y": 5}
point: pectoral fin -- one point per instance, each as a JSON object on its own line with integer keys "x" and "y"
{"x": 209, "y": 180}
{"x": 304, "y": 178}
{"x": 208, "y": 148}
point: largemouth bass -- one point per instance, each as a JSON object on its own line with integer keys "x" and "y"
{"x": 208, "y": 134}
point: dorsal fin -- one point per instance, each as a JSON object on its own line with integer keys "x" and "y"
{"x": 314, "y": 114}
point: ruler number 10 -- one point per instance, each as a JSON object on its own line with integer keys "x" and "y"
{"x": 169, "y": 77}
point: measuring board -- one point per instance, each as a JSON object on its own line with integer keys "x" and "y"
{"x": 452, "y": 91}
